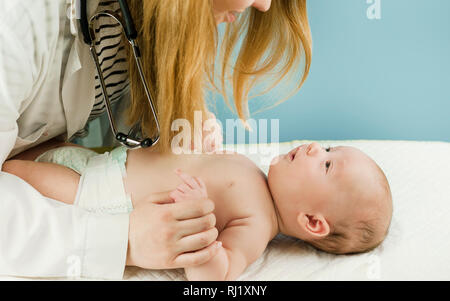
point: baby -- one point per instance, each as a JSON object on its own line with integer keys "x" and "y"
{"x": 336, "y": 199}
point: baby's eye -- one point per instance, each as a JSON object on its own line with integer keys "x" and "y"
{"x": 328, "y": 149}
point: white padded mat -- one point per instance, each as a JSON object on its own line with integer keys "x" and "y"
{"x": 418, "y": 244}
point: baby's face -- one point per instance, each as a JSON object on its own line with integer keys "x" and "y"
{"x": 336, "y": 182}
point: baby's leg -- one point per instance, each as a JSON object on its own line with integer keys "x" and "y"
{"x": 51, "y": 180}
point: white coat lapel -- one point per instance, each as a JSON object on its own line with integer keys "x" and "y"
{"x": 78, "y": 91}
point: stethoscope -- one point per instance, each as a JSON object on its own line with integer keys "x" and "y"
{"x": 131, "y": 34}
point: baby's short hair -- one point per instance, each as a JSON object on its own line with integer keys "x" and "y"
{"x": 364, "y": 236}
{"x": 340, "y": 241}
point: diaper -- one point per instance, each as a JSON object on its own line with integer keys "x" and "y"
{"x": 75, "y": 158}
{"x": 101, "y": 188}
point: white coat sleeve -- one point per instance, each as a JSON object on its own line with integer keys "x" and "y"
{"x": 40, "y": 237}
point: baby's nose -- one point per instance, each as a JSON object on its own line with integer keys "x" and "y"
{"x": 313, "y": 149}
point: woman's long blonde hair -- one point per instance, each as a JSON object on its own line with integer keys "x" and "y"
{"x": 179, "y": 42}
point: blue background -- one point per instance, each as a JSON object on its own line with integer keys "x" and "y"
{"x": 385, "y": 79}
{"x": 372, "y": 79}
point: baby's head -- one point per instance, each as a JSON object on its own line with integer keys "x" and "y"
{"x": 336, "y": 199}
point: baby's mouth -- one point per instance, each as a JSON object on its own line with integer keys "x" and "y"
{"x": 293, "y": 153}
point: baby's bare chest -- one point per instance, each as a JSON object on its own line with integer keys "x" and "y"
{"x": 149, "y": 178}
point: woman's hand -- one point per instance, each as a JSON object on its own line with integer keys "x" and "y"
{"x": 212, "y": 134}
{"x": 177, "y": 231}
{"x": 212, "y": 137}
{"x": 172, "y": 235}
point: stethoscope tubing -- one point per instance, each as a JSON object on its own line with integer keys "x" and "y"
{"x": 86, "y": 27}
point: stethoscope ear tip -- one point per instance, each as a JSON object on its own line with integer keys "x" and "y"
{"x": 121, "y": 137}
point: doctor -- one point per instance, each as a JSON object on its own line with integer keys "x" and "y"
{"x": 49, "y": 91}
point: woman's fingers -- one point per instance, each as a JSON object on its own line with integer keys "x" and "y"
{"x": 159, "y": 198}
{"x": 196, "y": 225}
{"x": 198, "y": 257}
{"x": 197, "y": 241}
{"x": 191, "y": 209}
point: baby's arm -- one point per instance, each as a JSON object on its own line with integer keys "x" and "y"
{"x": 51, "y": 180}
{"x": 241, "y": 244}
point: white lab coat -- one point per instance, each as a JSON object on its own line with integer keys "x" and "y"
{"x": 40, "y": 237}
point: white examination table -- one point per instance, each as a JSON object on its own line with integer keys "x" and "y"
{"x": 416, "y": 248}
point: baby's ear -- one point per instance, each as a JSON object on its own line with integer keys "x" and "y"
{"x": 315, "y": 226}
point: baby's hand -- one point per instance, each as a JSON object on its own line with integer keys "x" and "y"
{"x": 193, "y": 188}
